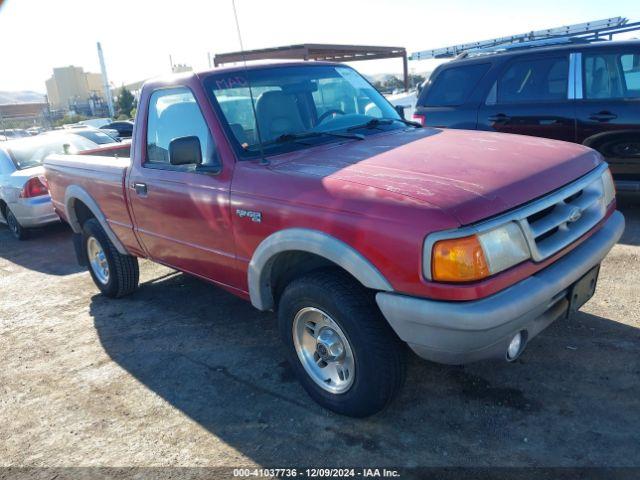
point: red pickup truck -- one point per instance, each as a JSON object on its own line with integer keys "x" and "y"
{"x": 300, "y": 188}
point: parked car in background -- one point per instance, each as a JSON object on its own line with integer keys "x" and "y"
{"x": 364, "y": 231}
{"x": 24, "y": 196}
{"x": 582, "y": 93}
{"x": 82, "y": 127}
{"x": 35, "y": 131}
{"x": 99, "y": 136}
{"x": 123, "y": 127}
{"x": 11, "y": 133}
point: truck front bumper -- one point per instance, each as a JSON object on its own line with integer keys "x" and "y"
{"x": 462, "y": 332}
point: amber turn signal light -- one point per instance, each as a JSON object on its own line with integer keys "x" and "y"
{"x": 459, "y": 260}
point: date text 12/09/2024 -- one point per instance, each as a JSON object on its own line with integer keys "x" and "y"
{"x": 316, "y": 472}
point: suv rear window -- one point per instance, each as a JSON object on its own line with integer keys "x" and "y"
{"x": 611, "y": 75}
{"x": 453, "y": 85}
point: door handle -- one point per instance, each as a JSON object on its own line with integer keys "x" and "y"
{"x": 140, "y": 188}
{"x": 500, "y": 117}
{"x": 603, "y": 116}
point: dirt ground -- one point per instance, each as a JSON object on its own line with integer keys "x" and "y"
{"x": 184, "y": 374}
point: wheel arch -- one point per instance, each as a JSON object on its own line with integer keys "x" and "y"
{"x": 77, "y": 204}
{"x": 594, "y": 141}
{"x": 279, "y": 246}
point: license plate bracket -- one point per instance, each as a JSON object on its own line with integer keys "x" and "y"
{"x": 581, "y": 291}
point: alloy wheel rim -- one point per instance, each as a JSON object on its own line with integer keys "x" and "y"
{"x": 98, "y": 260}
{"x": 324, "y": 350}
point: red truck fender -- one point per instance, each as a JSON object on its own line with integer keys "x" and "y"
{"x": 76, "y": 193}
{"x": 311, "y": 241}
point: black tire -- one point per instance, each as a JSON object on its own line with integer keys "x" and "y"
{"x": 123, "y": 269}
{"x": 17, "y": 230}
{"x": 380, "y": 356}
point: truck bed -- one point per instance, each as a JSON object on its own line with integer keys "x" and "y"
{"x": 103, "y": 178}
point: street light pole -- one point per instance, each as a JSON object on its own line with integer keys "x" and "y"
{"x": 105, "y": 82}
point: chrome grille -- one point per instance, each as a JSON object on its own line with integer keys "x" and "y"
{"x": 549, "y": 224}
{"x": 553, "y": 222}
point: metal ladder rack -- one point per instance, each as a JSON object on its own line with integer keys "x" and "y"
{"x": 576, "y": 33}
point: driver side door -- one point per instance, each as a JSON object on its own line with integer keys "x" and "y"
{"x": 181, "y": 212}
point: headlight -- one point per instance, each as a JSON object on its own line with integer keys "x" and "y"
{"x": 475, "y": 257}
{"x": 608, "y": 187}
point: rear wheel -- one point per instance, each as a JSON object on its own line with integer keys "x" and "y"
{"x": 342, "y": 350}
{"x": 116, "y": 275}
{"x": 17, "y": 230}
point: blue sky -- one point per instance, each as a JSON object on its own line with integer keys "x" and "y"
{"x": 139, "y": 35}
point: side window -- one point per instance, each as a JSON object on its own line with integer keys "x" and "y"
{"x": 174, "y": 113}
{"x": 631, "y": 70}
{"x": 611, "y": 75}
{"x": 534, "y": 80}
{"x": 453, "y": 85}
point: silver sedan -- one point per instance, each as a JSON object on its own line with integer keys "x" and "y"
{"x": 24, "y": 198}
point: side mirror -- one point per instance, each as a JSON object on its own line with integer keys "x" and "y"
{"x": 185, "y": 151}
{"x": 400, "y": 110}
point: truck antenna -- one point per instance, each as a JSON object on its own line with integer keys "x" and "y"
{"x": 263, "y": 159}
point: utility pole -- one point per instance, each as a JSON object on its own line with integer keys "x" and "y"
{"x": 105, "y": 82}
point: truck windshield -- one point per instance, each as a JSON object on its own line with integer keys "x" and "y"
{"x": 298, "y": 106}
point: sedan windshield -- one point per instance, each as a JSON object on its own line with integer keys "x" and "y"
{"x": 31, "y": 152}
{"x": 298, "y": 106}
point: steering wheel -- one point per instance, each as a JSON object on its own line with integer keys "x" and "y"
{"x": 333, "y": 111}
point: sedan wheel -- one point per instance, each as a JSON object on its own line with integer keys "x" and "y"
{"x": 17, "y": 230}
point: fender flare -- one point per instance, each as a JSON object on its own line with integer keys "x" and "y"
{"x": 311, "y": 241}
{"x": 75, "y": 192}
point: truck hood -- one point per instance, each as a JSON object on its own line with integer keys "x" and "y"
{"x": 469, "y": 174}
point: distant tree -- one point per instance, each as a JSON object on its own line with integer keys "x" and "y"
{"x": 134, "y": 110}
{"x": 416, "y": 80}
{"x": 125, "y": 102}
{"x": 392, "y": 83}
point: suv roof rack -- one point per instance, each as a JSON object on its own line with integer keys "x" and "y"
{"x": 577, "y": 33}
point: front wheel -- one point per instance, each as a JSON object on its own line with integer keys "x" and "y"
{"x": 116, "y": 275}
{"x": 342, "y": 350}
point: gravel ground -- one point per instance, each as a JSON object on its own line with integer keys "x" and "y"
{"x": 184, "y": 374}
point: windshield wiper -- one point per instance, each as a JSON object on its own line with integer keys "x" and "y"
{"x": 297, "y": 137}
{"x": 376, "y": 122}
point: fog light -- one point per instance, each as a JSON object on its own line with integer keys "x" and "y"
{"x": 515, "y": 346}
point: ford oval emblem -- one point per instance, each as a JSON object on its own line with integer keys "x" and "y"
{"x": 575, "y": 215}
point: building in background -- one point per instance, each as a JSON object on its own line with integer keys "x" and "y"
{"x": 180, "y": 68}
{"x": 71, "y": 89}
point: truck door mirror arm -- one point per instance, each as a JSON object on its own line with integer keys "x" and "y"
{"x": 185, "y": 151}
